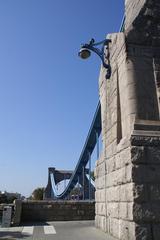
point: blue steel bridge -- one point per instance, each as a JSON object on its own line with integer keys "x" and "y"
{"x": 81, "y": 174}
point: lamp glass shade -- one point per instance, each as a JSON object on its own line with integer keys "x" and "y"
{"x": 84, "y": 53}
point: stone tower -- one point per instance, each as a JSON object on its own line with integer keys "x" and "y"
{"x": 128, "y": 171}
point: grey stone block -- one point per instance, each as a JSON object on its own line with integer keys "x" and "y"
{"x": 154, "y": 192}
{"x": 146, "y": 174}
{"x": 138, "y": 155}
{"x": 143, "y": 232}
{"x": 146, "y": 212}
{"x": 148, "y": 155}
{"x": 156, "y": 231}
{"x": 126, "y": 230}
{"x": 18, "y": 211}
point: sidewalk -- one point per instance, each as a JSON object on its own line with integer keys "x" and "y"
{"x": 76, "y": 230}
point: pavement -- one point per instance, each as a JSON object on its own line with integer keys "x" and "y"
{"x": 75, "y": 230}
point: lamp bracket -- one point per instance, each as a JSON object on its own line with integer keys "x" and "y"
{"x": 102, "y": 53}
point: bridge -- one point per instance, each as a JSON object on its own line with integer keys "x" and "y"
{"x": 79, "y": 175}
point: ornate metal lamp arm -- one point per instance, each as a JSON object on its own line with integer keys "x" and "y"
{"x": 85, "y": 53}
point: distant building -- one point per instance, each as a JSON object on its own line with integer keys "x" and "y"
{"x": 11, "y": 194}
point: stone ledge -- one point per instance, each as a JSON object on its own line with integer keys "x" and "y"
{"x": 145, "y": 139}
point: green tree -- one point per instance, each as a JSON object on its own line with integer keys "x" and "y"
{"x": 11, "y": 199}
{"x": 75, "y": 191}
{"x": 3, "y": 198}
{"x": 37, "y": 194}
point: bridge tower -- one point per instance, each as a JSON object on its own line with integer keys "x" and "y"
{"x": 128, "y": 170}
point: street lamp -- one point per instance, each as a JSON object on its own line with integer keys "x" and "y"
{"x": 86, "y": 49}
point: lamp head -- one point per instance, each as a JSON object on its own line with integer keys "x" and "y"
{"x": 84, "y": 53}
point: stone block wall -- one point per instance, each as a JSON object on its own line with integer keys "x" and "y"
{"x": 114, "y": 195}
{"x": 128, "y": 170}
{"x": 142, "y": 23}
{"x": 57, "y": 211}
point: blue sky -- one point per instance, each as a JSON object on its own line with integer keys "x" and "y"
{"x": 48, "y": 95}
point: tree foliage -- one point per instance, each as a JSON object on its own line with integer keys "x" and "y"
{"x": 7, "y": 199}
{"x": 38, "y": 193}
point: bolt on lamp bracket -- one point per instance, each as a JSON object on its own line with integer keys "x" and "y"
{"x": 100, "y": 52}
